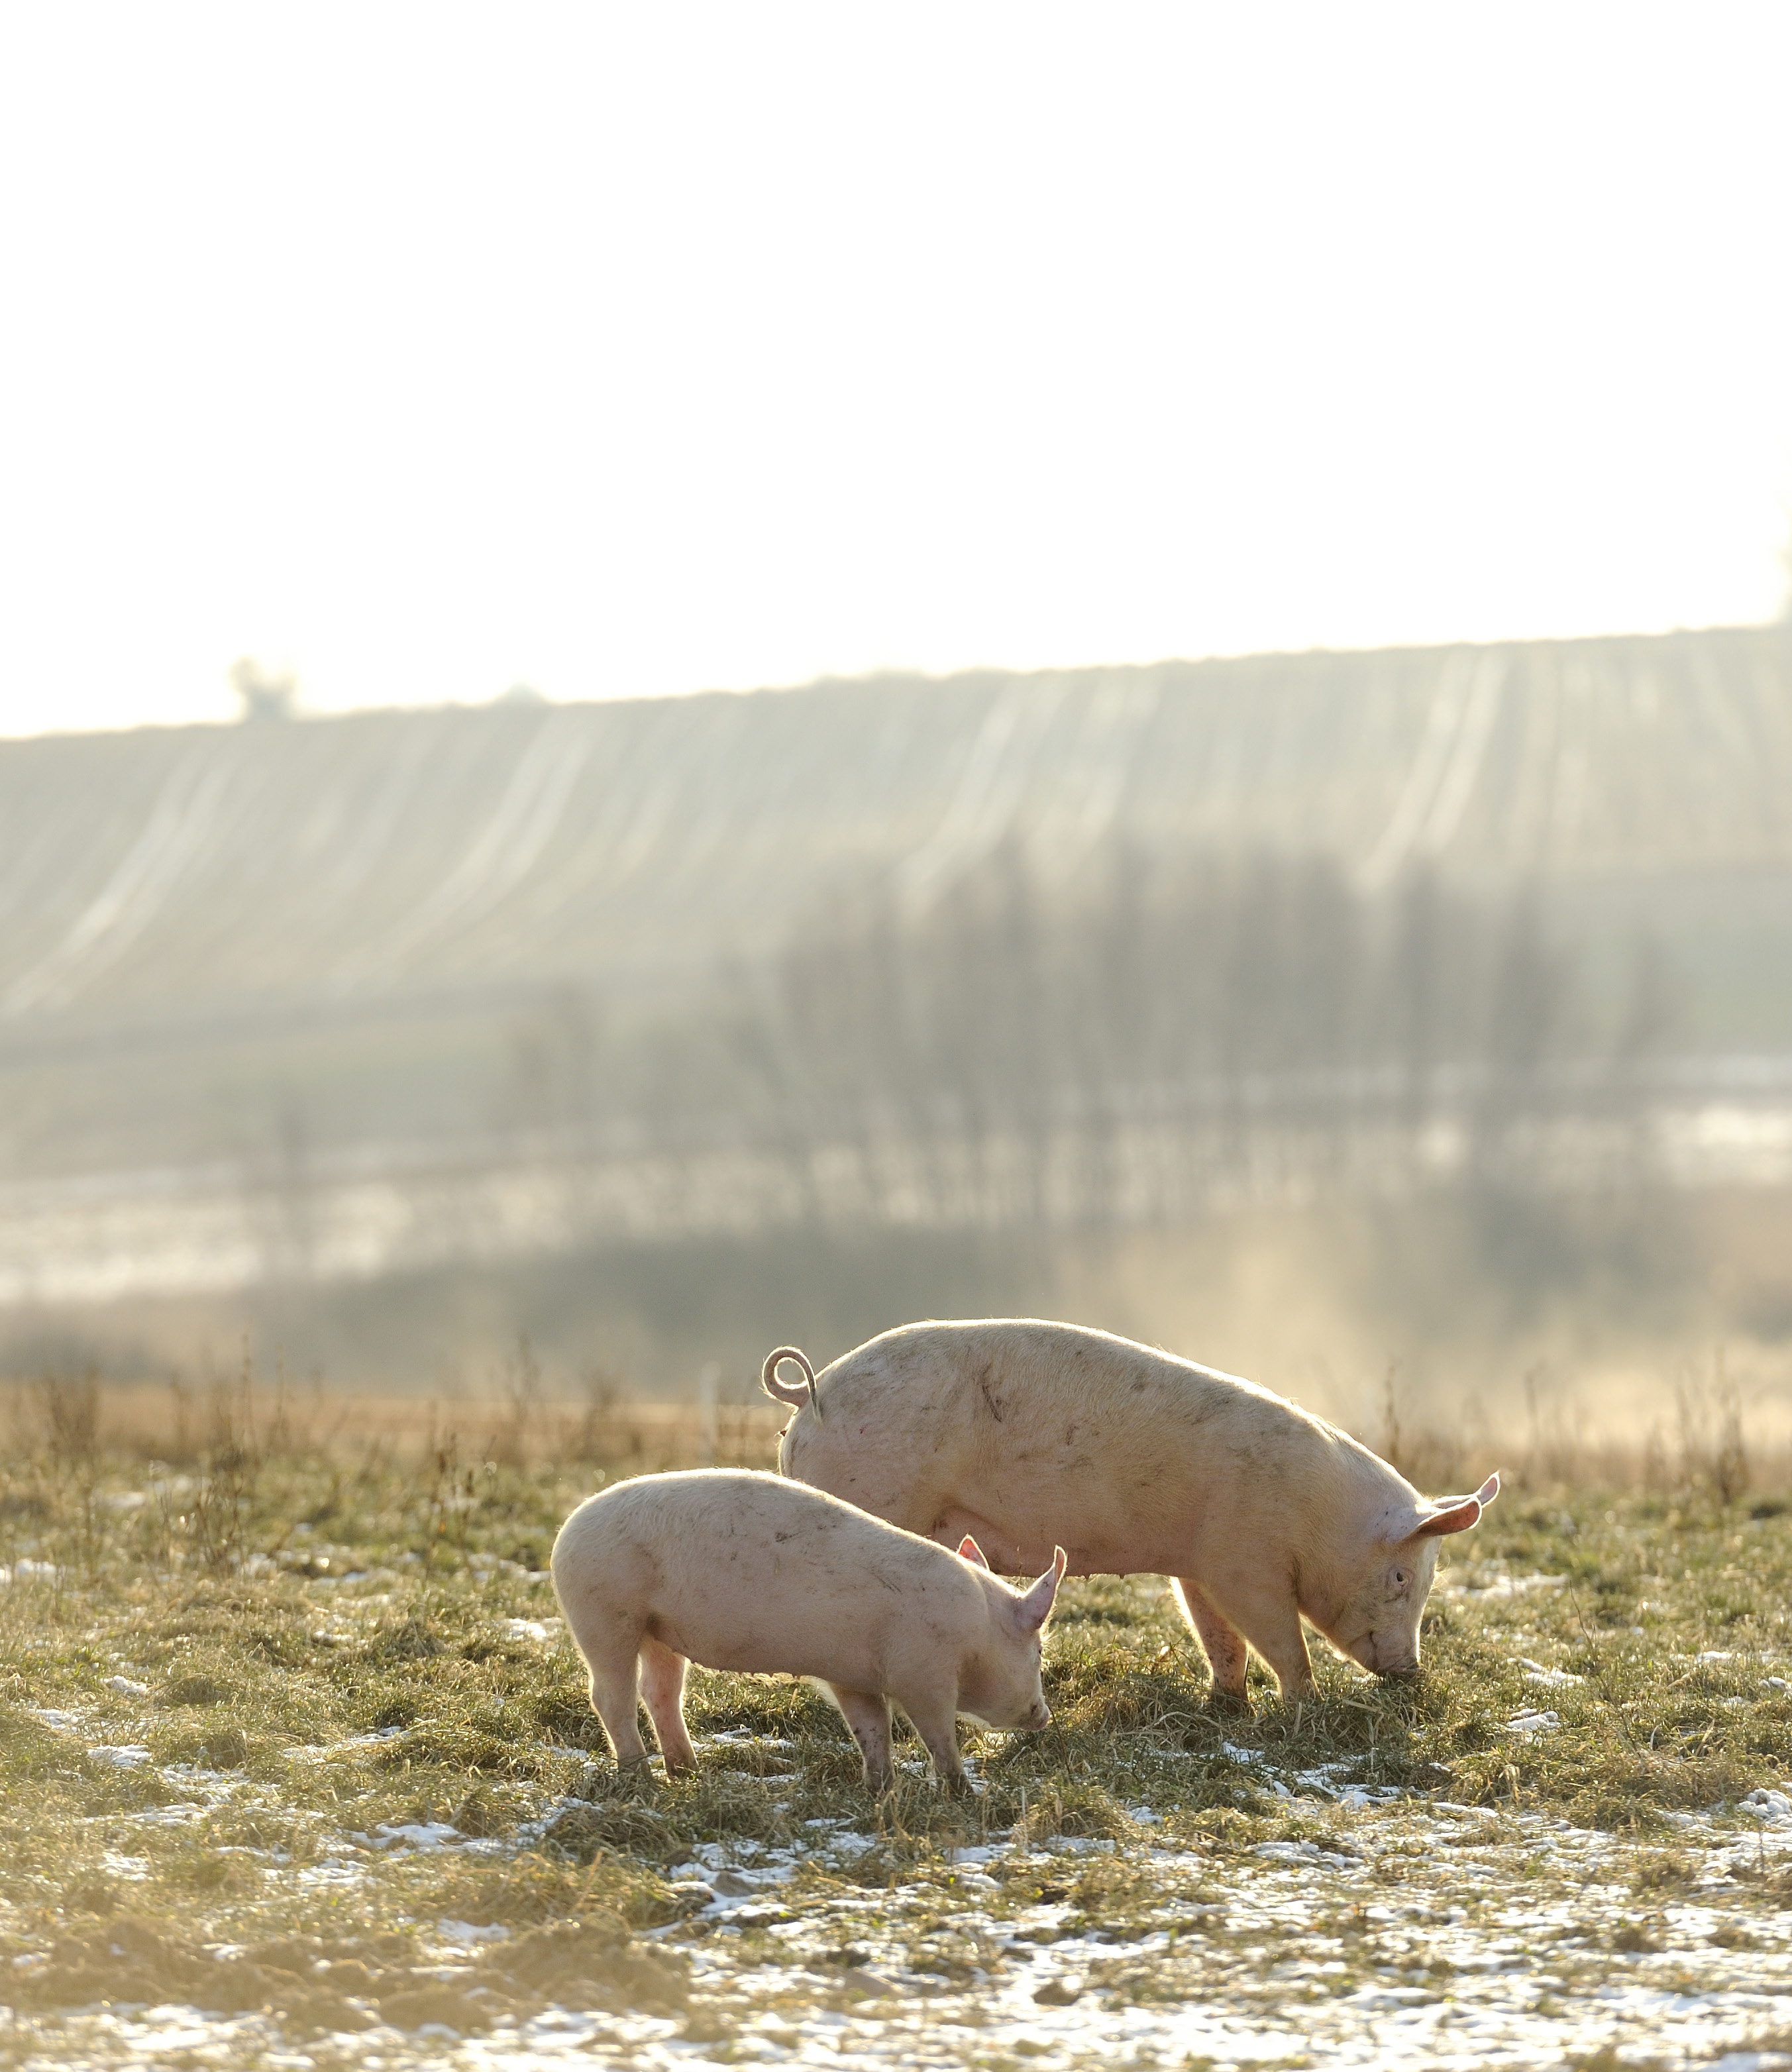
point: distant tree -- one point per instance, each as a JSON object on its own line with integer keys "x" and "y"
{"x": 1526, "y": 1004}
{"x": 264, "y": 694}
{"x": 1528, "y": 994}
{"x": 1655, "y": 1009}
{"x": 1415, "y": 988}
{"x": 551, "y": 1086}
{"x": 1654, "y": 1017}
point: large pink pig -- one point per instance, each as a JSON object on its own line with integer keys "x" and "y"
{"x": 1026, "y": 1433}
{"x": 737, "y": 1570}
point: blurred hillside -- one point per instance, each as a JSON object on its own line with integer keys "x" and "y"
{"x": 303, "y": 1005}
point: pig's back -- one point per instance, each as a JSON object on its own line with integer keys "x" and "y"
{"x": 1045, "y": 1432}
{"x": 741, "y": 1570}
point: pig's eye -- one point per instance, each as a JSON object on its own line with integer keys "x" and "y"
{"x": 1399, "y": 1579}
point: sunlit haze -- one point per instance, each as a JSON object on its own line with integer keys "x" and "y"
{"x": 423, "y": 352}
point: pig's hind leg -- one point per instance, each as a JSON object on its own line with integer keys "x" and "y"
{"x": 615, "y": 1699}
{"x": 1221, "y": 1641}
{"x": 662, "y": 1687}
{"x": 867, "y": 1713}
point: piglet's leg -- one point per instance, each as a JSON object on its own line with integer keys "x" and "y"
{"x": 867, "y": 1713}
{"x": 615, "y": 1699}
{"x": 663, "y": 1687}
{"x": 1221, "y": 1640}
{"x": 934, "y": 1719}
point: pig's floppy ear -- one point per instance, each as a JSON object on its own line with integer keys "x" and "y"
{"x": 1034, "y": 1605}
{"x": 1456, "y": 1513}
{"x": 970, "y": 1550}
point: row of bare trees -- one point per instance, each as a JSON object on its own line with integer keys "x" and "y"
{"x": 1159, "y": 1034}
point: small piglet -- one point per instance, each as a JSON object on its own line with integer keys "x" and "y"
{"x": 743, "y": 1571}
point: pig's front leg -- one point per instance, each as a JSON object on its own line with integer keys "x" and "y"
{"x": 867, "y": 1713}
{"x": 935, "y": 1718}
{"x": 1275, "y": 1633}
{"x": 662, "y": 1687}
{"x": 1220, "y": 1640}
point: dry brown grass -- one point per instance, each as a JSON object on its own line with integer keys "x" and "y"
{"x": 77, "y": 1418}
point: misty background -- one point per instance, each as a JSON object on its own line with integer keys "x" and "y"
{"x": 1407, "y": 993}
{"x": 1309, "y": 1014}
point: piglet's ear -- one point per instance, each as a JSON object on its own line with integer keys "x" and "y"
{"x": 1034, "y": 1605}
{"x": 971, "y": 1553}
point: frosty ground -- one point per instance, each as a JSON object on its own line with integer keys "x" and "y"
{"x": 299, "y": 1770}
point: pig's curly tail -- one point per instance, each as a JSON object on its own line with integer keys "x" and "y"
{"x": 787, "y": 1392}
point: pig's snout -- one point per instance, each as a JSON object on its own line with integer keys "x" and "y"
{"x": 1035, "y": 1717}
{"x": 1390, "y": 1655}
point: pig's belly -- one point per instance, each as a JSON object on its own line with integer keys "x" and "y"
{"x": 1018, "y": 1527}
{"x": 754, "y": 1646}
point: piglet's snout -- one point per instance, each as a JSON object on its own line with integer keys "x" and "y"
{"x": 1037, "y": 1716}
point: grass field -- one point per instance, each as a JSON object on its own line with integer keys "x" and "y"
{"x": 298, "y": 1770}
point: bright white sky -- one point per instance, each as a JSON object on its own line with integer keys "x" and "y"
{"x": 426, "y": 349}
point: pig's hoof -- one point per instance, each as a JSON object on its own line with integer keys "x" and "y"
{"x": 1232, "y": 1703}
{"x": 634, "y": 1780}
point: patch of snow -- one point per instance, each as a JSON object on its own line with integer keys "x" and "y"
{"x": 170, "y": 1816}
{"x": 328, "y": 1877}
{"x": 468, "y": 1933}
{"x": 132, "y": 1757}
{"x": 536, "y": 1629}
{"x": 32, "y": 1572}
{"x": 1514, "y": 1586}
{"x": 1533, "y": 1723}
{"x": 421, "y": 1834}
{"x": 305, "y": 1751}
{"x": 1300, "y": 1852}
{"x": 1535, "y": 1673}
{"x": 848, "y": 1844}
{"x": 1355, "y": 1798}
